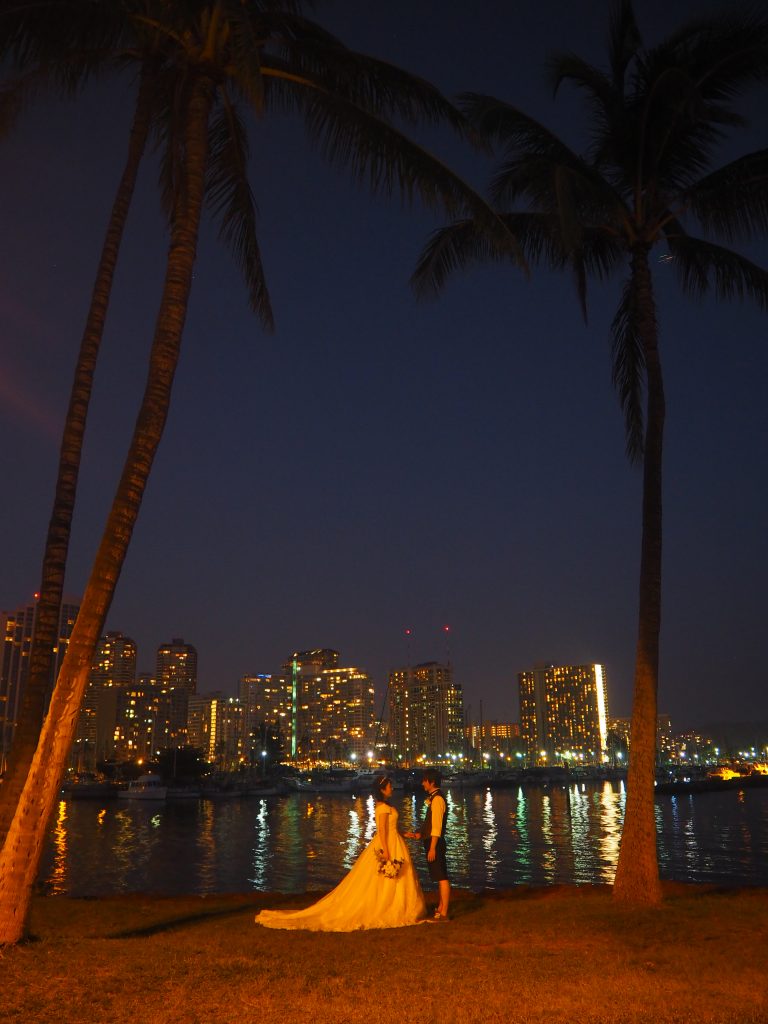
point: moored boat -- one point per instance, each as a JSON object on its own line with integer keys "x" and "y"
{"x": 86, "y": 786}
{"x": 146, "y": 787}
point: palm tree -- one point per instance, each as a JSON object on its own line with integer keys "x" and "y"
{"x": 644, "y": 181}
{"x": 221, "y": 55}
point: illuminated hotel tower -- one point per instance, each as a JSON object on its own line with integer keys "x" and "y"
{"x": 426, "y": 713}
{"x": 563, "y": 713}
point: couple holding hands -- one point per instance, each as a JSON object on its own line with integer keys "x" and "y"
{"x": 382, "y": 889}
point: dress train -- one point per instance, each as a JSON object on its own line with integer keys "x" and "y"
{"x": 365, "y": 898}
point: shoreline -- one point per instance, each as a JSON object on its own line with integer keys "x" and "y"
{"x": 671, "y": 888}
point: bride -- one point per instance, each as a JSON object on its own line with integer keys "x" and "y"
{"x": 380, "y": 891}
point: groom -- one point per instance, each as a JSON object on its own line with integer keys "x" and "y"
{"x": 432, "y": 836}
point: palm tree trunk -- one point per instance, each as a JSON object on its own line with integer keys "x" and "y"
{"x": 45, "y": 635}
{"x": 21, "y": 853}
{"x": 637, "y": 872}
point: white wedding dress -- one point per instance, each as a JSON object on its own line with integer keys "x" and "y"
{"x": 364, "y": 898}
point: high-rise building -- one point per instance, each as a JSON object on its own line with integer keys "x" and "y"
{"x": 267, "y": 700}
{"x": 216, "y": 728}
{"x": 495, "y": 739}
{"x": 348, "y": 723}
{"x": 176, "y": 673}
{"x": 229, "y": 732}
{"x": 309, "y": 699}
{"x": 140, "y": 716}
{"x": 177, "y": 666}
{"x": 18, "y": 631}
{"x": 426, "y": 713}
{"x": 563, "y": 713}
{"x": 114, "y": 666}
{"x": 201, "y": 724}
{"x": 332, "y": 707}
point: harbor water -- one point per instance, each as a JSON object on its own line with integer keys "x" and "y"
{"x": 497, "y": 838}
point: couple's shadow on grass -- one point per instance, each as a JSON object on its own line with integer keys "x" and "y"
{"x": 471, "y": 903}
{"x": 178, "y": 922}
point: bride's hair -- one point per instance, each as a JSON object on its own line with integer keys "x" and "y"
{"x": 378, "y": 787}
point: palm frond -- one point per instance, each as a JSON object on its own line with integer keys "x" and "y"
{"x": 604, "y": 102}
{"x": 373, "y": 85}
{"x": 449, "y": 249}
{"x": 624, "y": 41}
{"x": 628, "y": 372}
{"x": 464, "y": 244}
{"x": 733, "y": 201}
{"x": 379, "y": 155}
{"x": 16, "y": 94}
{"x": 562, "y": 67}
{"x": 689, "y": 83}
{"x": 724, "y": 53}
{"x": 677, "y": 135}
{"x": 70, "y": 41}
{"x": 703, "y": 266}
{"x": 245, "y": 49}
{"x": 230, "y": 199}
{"x": 500, "y": 122}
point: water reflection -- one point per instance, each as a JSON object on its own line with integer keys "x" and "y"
{"x": 580, "y": 833}
{"x": 58, "y": 881}
{"x": 260, "y": 857}
{"x": 497, "y": 838}
{"x": 491, "y": 858}
{"x": 521, "y": 843}
{"x": 355, "y": 832}
{"x": 612, "y": 805}
{"x": 460, "y": 851}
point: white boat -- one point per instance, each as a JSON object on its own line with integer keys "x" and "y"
{"x": 146, "y": 787}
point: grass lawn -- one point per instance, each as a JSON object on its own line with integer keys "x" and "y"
{"x": 535, "y": 956}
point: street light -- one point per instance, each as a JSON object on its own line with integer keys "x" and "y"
{"x": 263, "y": 763}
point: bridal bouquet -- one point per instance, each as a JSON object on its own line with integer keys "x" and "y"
{"x": 388, "y": 868}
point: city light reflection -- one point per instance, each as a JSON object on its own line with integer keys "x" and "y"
{"x": 261, "y": 846}
{"x": 490, "y": 835}
{"x": 354, "y": 840}
{"x": 58, "y": 877}
{"x": 610, "y": 833}
{"x": 534, "y": 834}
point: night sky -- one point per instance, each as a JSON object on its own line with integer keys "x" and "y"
{"x": 380, "y": 463}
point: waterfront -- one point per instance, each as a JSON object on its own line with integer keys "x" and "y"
{"x": 526, "y": 835}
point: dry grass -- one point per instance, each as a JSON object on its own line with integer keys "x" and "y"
{"x": 529, "y": 956}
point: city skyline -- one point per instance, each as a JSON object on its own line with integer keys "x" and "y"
{"x": 379, "y": 464}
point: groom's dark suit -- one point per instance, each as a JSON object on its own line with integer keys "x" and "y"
{"x": 438, "y": 869}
